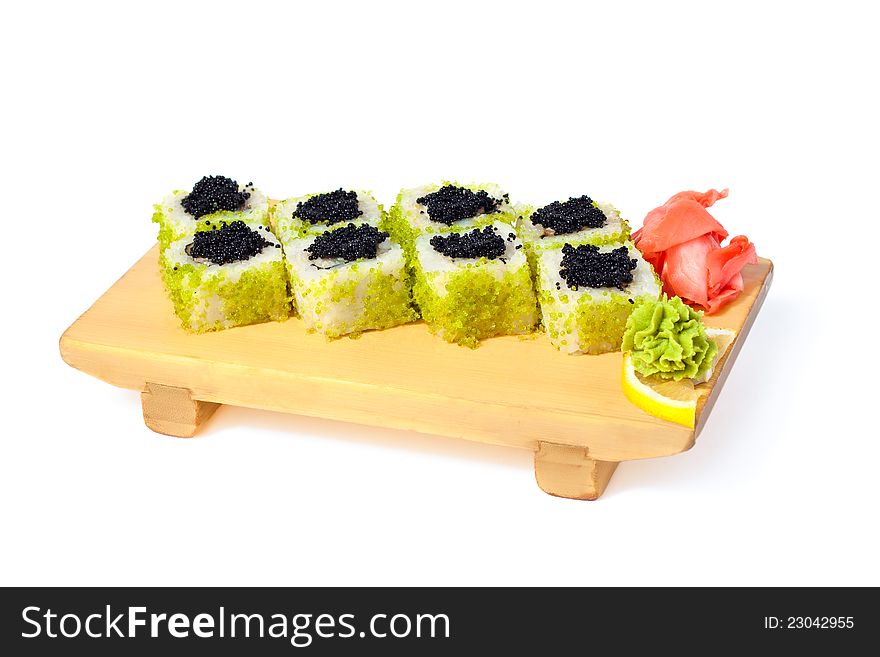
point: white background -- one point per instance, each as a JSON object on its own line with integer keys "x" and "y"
{"x": 107, "y": 107}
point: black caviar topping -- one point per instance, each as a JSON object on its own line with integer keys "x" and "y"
{"x": 450, "y": 204}
{"x": 330, "y": 208}
{"x": 349, "y": 243}
{"x": 586, "y": 265}
{"x": 215, "y": 193}
{"x": 485, "y": 243}
{"x": 230, "y": 243}
{"x": 569, "y": 216}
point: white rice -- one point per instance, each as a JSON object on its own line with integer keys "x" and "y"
{"x": 309, "y": 278}
{"x": 176, "y": 255}
{"x": 435, "y": 264}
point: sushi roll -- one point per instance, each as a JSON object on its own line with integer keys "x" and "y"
{"x": 587, "y": 292}
{"x": 349, "y": 279}
{"x": 434, "y": 209}
{"x": 228, "y": 276}
{"x": 474, "y": 284}
{"x": 314, "y": 214}
{"x": 213, "y": 201}
{"x": 579, "y": 220}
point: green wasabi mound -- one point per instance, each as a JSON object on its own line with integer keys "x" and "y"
{"x": 667, "y": 338}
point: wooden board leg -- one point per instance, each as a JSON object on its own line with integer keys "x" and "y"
{"x": 566, "y": 471}
{"x": 173, "y": 411}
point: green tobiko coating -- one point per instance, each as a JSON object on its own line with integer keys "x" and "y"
{"x": 667, "y": 338}
{"x": 353, "y": 300}
{"x": 395, "y": 224}
{"x": 477, "y": 304}
{"x": 257, "y": 295}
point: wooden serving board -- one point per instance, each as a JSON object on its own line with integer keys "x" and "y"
{"x": 517, "y": 391}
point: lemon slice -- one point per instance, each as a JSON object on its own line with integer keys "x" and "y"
{"x": 675, "y": 401}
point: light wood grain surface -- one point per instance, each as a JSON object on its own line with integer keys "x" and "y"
{"x": 510, "y": 391}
